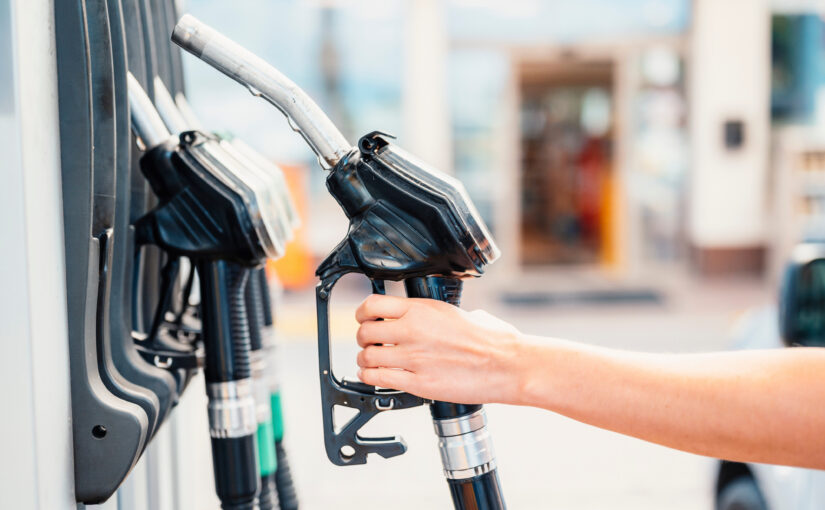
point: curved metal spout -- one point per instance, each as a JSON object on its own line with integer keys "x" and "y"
{"x": 146, "y": 121}
{"x": 187, "y": 112}
{"x": 265, "y": 81}
{"x": 168, "y": 109}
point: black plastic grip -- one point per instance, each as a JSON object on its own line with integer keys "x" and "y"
{"x": 441, "y": 288}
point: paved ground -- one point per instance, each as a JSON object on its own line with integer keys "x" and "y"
{"x": 546, "y": 461}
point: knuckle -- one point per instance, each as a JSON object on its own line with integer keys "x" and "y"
{"x": 479, "y": 315}
{"x": 416, "y": 325}
{"x": 415, "y": 362}
{"x": 361, "y": 334}
{"x": 366, "y": 376}
{"x": 419, "y": 359}
{"x": 366, "y": 356}
{"x": 371, "y": 301}
{"x": 376, "y": 377}
{"x": 415, "y": 311}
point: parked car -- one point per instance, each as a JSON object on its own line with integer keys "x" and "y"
{"x": 799, "y": 320}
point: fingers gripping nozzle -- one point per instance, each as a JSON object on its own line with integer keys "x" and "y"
{"x": 344, "y": 445}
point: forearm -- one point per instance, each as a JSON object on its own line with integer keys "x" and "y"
{"x": 758, "y": 406}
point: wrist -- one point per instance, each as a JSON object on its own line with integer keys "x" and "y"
{"x": 520, "y": 366}
{"x": 532, "y": 371}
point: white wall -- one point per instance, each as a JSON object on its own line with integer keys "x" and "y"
{"x": 36, "y": 470}
{"x": 729, "y": 79}
{"x": 427, "y": 130}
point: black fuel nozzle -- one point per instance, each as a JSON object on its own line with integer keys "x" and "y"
{"x": 200, "y": 213}
{"x": 211, "y": 203}
{"x": 219, "y": 213}
{"x": 407, "y": 222}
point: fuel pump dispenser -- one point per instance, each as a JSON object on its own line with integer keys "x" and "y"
{"x": 219, "y": 214}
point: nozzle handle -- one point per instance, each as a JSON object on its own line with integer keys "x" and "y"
{"x": 146, "y": 122}
{"x": 265, "y": 81}
{"x": 342, "y": 441}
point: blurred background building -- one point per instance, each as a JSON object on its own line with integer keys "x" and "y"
{"x": 628, "y": 143}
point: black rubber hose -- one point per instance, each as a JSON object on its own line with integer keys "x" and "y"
{"x": 236, "y": 473}
{"x": 216, "y": 325}
{"x": 481, "y": 492}
{"x": 239, "y": 277}
{"x": 287, "y": 495}
{"x": 255, "y": 312}
{"x": 268, "y": 497}
{"x": 226, "y": 345}
{"x": 265, "y": 297}
{"x": 283, "y": 480}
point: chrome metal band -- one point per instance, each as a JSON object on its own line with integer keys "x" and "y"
{"x": 257, "y": 362}
{"x": 461, "y": 425}
{"x": 231, "y": 409}
{"x": 464, "y": 474}
{"x": 465, "y": 446}
{"x": 271, "y": 371}
{"x": 268, "y": 337}
{"x": 260, "y": 387}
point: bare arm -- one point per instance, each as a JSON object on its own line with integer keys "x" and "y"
{"x": 755, "y": 406}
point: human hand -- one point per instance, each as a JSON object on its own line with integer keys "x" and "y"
{"x": 438, "y": 351}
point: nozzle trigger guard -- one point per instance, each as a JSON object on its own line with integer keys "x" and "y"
{"x": 378, "y": 286}
{"x": 344, "y": 446}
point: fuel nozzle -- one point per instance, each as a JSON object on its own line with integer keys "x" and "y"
{"x": 407, "y": 222}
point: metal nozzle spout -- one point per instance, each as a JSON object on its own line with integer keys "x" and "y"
{"x": 265, "y": 81}
{"x": 146, "y": 122}
{"x": 168, "y": 109}
{"x": 187, "y": 112}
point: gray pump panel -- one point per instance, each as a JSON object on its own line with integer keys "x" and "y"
{"x": 119, "y": 399}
